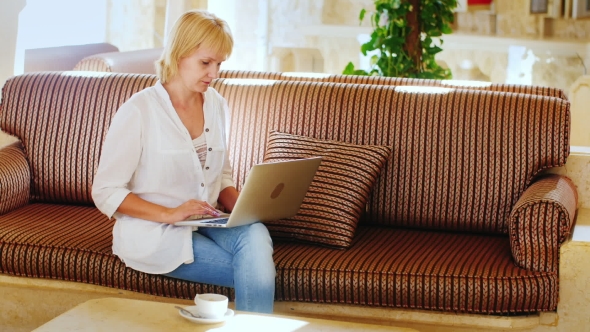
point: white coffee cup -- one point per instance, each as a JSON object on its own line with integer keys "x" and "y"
{"x": 211, "y": 305}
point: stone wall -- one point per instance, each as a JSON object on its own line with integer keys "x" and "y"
{"x": 345, "y": 12}
{"x": 132, "y": 24}
{"x": 159, "y": 22}
{"x": 571, "y": 29}
{"x": 9, "y": 13}
{"x": 139, "y": 24}
{"x": 512, "y": 19}
{"x": 558, "y": 67}
{"x": 323, "y": 36}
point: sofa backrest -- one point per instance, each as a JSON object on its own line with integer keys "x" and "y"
{"x": 460, "y": 160}
{"x": 61, "y": 119}
{"x": 400, "y": 81}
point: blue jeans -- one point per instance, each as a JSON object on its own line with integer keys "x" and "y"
{"x": 239, "y": 257}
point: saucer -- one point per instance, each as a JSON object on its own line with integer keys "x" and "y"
{"x": 228, "y": 314}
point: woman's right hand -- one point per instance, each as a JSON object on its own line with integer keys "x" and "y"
{"x": 136, "y": 207}
{"x": 187, "y": 209}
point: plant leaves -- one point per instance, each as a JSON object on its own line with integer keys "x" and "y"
{"x": 390, "y": 30}
{"x": 434, "y": 50}
{"x": 349, "y": 69}
{"x": 362, "y": 15}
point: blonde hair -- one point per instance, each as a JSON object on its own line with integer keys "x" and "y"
{"x": 194, "y": 29}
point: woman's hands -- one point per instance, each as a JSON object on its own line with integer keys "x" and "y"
{"x": 136, "y": 207}
{"x": 187, "y": 209}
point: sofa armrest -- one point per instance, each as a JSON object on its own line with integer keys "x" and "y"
{"x": 540, "y": 221}
{"x": 15, "y": 178}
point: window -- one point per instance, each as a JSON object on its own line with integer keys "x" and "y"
{"x": 45, "y": 23}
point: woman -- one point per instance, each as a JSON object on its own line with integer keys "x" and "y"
{"x": 165, "y": 159}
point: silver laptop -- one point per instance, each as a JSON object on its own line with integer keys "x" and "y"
{"x": 272, "y": 191}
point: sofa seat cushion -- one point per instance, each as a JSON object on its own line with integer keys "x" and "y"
{"x": 414, "y": 269}
{"x": 73, "y": 243}
{"x": 384, "y": 267}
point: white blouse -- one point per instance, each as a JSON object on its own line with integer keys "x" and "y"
{"x": 148, "y": 151}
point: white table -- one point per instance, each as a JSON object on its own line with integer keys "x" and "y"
{"x": 117, "y": 314}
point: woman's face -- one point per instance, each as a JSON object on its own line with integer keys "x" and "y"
{"x": 199, "y": 68}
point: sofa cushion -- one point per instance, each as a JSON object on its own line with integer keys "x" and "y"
{"x": 338, "y": 193}
{"x": 15, "y": 178}
{"x": 384, "y": 266}
{"x": 417, "y": 269}
{"x": 541, "y": 221}
{"x": 74, "y": 243}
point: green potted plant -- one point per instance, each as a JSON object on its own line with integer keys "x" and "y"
{"x": 404, "y": 33}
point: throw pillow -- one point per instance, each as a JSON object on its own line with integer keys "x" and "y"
{"x": 338, "y": 193}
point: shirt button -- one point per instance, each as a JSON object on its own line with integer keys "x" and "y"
{"x": 207, "y": 129}
{"x": 207, "y": 168}
{"x": 202, "y": 184}
{"x": 210, "y": 149}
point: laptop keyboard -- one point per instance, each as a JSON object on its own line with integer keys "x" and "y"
{"x": 217, "y": 222}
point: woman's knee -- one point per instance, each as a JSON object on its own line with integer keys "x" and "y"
{"x": 260, "y": 244}
{"x": 259, "y": 232}
{"x": 256, "y": 237}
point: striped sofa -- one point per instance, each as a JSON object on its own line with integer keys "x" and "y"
{"x": 462, "y": 218}
{"x": 396, "y": 81}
